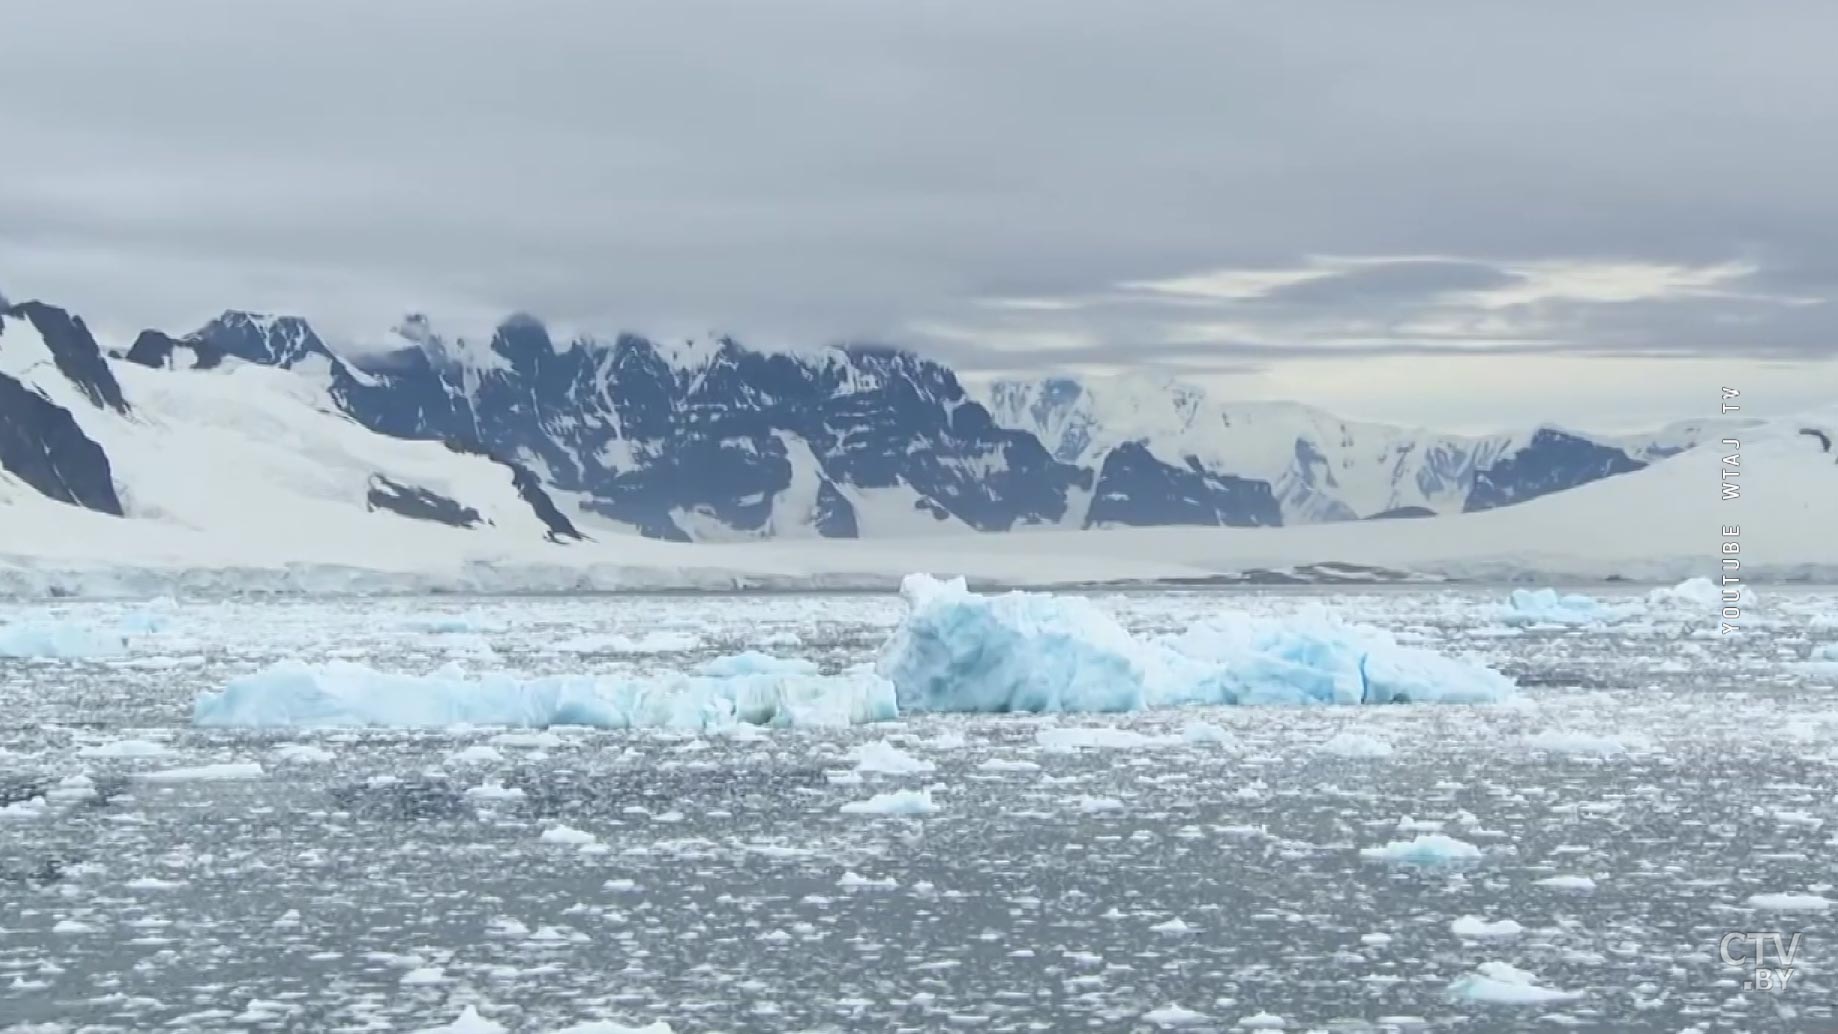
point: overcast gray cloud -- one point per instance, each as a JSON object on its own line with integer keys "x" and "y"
{"x": 1266, "y": 194}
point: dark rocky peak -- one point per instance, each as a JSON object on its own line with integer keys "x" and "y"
{"x": 162, "y": 351}
{"x": 73, "y": 349}
{"x": 524, "y": 342}
{"x": 258, "y": 338}
{"x": 1552, "y": 461}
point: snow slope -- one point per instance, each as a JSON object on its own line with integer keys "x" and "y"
{"x": 244, "y": 464}
{"x": 1321, "y": 468}
{"x": 1661, "y": 523}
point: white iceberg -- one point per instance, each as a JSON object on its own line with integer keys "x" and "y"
{"x": 958, "y": 651}
{"x": 1699, "y": 594}
{"x": 1547, "y": 607}
{"x": 756, "y": 690}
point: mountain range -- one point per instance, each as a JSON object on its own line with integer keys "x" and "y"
{"x": 709, "y": 440}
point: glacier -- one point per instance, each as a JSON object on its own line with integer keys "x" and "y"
{"x": 954, "y": 651}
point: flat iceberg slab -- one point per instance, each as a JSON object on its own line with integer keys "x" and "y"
{"x": 340, "y": 693}
{"x": 1548, "y": 607}
{"x": 1035, "y": 652}
{"x": 58, "y": 640}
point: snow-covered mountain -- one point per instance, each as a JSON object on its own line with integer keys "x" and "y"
{"x": 703, "y": 440}
{"x": 1137, "y": 431}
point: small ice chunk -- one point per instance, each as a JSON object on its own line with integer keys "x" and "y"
{"x": 1426, "y": 849}
{"x": 469, "y": 1022}
{"x": 1476, "y": 928}
{"x": 1790, "y": 902}
{"x": 561, "y": 834}
{"x": 1356, "y": 745}
{"x": 303, "y": 754}
{"x": 476, "y": 754}
{"x": 1503, "y": 984}
{"x": 1205, "y": 732}
{"x": 1559, "y": 741}
{"x": 1566, "y": 883}
{"x": 882, "y": 756}
{"x": 223, "y": 771}
{"x": 1175, "y": 1016}
{"x": 125, "y": 749}
{"x": 900, "y": 802}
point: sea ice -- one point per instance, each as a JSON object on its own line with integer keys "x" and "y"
{"x": 1356, "y": 745}
{"x": 1547, "y": 607}
{"x": 203, "y": 773}
{"x": 125, "y": 749}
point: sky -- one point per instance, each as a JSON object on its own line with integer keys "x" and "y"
{"x": 1455, "y": 213}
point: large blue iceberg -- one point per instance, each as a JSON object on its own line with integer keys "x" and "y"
{"x": 955, "y": 651}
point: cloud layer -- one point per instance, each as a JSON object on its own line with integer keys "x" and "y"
{"x": 1236, "y": 190}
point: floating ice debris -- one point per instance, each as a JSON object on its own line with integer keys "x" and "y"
{"x": 1476, "y": 928}
{"x": 882, "y": 756}
{"x": 125, "y": 749}
{"x": 1356, "y": 745}
{"x": 469, "y": 1022}
{"x": 1100, "y": 737}
{"x": 1547, "y": 607}
{"x": 567, "y": 835}
{"x": 303, "y": 754}
{"x": 649, "y": 642}
{"x": 1204, "y": 732}
{"x": 1174, "y": 1016}
{"x": 902, "y": 802}
{"x": 1559, "y": 741}
{"x": 203, "y": 773}
{"x": 1790, "y": 902}
{"x": 1427, "y": 849}
{"x": 1503, "y": 984}
{"x": 1579, "y": 883}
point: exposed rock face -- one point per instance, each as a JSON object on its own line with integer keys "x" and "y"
{"x": 420, "y": 504}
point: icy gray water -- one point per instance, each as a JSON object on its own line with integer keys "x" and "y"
{"x": 713, "y": 883}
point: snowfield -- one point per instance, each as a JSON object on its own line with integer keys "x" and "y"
{"x": 307, "y": 468}
{"x": 1563, "y": 858}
